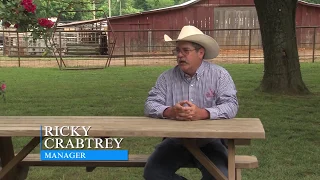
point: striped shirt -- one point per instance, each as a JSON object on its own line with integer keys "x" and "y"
{"x": 211, "y": 88}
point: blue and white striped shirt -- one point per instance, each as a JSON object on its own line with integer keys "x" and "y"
{"x": 211, "y": 88}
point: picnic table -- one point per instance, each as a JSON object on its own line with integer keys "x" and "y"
{"x": 125, "y": 126}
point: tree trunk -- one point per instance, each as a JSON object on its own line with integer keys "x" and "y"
{"x": 281, "y": 61}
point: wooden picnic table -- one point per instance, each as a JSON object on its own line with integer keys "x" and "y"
{"x": 126, "y": 126}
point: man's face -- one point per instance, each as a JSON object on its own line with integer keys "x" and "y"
{"x": 188, "y": 58}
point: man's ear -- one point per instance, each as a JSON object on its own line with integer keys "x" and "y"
{"x": 202, "y": 52}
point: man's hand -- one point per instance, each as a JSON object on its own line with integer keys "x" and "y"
{"x": 181, "y": 111}
{"x": 176, "y": 112}
{"x": 186, "y": 111}
{"x": 193, "y": 111}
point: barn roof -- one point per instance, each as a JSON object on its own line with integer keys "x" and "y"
{"x": 78, "y": 23}
{"x": 308, "y": 4}
{"x": 186, "y": 4}
{"x": 178, "y": 6}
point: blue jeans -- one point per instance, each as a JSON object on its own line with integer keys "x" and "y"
{"x": 169, "y": 156}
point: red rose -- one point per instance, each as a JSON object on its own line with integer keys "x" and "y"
{"x": 26, "y": 2}
{"x": 3, "y": 87}
{"x": 50, "y": 24}
{"x": 42, "y": 22}
{"x": 45, "y": 22}
{"x": 29, "y": 6}
{"x": 16, "y": 26}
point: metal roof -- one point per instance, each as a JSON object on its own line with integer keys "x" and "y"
{"x": 308, "y": 4}
{"x": 78, "y": 23}
{"x": 186, "y": 4}
{"x": 178, "y": 6}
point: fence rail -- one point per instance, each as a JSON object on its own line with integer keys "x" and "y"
{"x": 141, "y": 47}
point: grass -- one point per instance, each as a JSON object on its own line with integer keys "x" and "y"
{"x": 290, "y": 150}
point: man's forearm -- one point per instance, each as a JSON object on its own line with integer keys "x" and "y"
{"x": 203, "y": 114}
{"x": 153, "y": 109}
{"x": 224, "y": 111}
{"x": 167, "y": 113}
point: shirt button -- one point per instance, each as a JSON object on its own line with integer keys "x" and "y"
{"x": 191, "y": 85}
{"x": 191, "y": 100}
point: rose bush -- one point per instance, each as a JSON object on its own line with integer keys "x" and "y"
{"x": 22, "y": 15}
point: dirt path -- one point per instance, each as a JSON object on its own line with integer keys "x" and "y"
{"x": 226, "y": 56}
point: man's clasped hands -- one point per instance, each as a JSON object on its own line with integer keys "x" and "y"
{"x": 186, "y": 111}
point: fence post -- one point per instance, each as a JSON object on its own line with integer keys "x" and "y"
{"x": 124, "y": 48}
{"x": 4, "y": 41}
{"x": 250, "y": 32}
{"x": 149, "y": 40}
{"x": 314, "y": 43}
{"x": 18, "y": 44}
{"x": 60, "y": 55}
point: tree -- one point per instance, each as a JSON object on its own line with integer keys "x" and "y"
{"x": 281, "y": 61}
{"x": 51, "y": 8}
{"x": 141, "y": 4}
{"x": 130, "y": 6}
{"x": 155, "y": 4}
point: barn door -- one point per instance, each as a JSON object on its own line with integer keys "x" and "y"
{"x": 236, "y": 21}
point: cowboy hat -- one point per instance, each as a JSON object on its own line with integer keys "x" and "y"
{"x": 193, "y": 34}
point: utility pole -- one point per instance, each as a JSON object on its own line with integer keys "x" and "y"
{"x": 109, "y": 2}
{"x": 120, "y": 6}
{"x": 94, "y": 9}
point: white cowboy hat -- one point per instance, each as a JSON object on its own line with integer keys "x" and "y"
{"x": 193, "y": 34}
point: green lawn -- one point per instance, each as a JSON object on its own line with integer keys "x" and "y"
{"x": 290, "y": 151}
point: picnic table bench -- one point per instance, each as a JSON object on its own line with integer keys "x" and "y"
{"x": 238, "y": 131}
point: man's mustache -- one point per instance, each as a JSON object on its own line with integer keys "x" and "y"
{"x": 181, "y": 61}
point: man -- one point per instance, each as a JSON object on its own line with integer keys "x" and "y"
{"x": 193, "y": 90}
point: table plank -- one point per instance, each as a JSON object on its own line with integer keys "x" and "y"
{"x": 124, "y": 126}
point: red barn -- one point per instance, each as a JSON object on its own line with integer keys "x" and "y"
{"x": 228, "y": 21}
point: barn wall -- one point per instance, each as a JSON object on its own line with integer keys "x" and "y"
{"x": 307, "y": 15}
{"x": 206, "y": 14}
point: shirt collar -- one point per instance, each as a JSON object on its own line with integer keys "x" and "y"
{"x": 200, "y": 70}
{"x": 198, "y": 74}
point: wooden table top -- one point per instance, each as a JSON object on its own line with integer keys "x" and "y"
{"x": 126, "y": 126}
